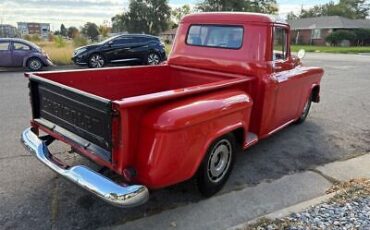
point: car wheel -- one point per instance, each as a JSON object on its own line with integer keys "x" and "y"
{"x": 153, "y": 59}
{"x": 96, "y": 61}
{"x": 305, "y": 111}
{"x": 216, "y": 166}
{"x": 34, "y": 64}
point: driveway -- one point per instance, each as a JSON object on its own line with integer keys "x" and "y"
{"x": 33, "y": 197}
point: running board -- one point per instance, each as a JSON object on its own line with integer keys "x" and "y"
{"x": 251, "y": 140}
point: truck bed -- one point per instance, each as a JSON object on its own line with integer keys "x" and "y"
{"x": 79, "y": 105}
{"x": 120, "y": 83}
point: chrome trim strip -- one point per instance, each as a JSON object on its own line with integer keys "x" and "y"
{"x": 123, "y": 60}
{"x": 104, "y": 188}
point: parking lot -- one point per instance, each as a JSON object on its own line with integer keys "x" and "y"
{"x": 33, "y": 197}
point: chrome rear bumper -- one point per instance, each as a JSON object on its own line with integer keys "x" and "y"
{"x": 104, "y": 188}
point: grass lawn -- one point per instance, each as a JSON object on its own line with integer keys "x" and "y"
{"x": 331, "y": 49}
{"x": 59, "y": 56}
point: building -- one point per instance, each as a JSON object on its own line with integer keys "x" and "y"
{"x": 42, "y": 29}
{"x": 313, "y": 31}
{"x": 168, "y": 36}
{"x": 8, "y": 31}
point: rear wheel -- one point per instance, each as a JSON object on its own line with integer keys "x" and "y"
{"x": 96, "y": 61}
{"x": 153, "y": 59}
{"x": 216, "y": 166}
{"x": 305, "y": 111}
{"x": 34, "y": 64}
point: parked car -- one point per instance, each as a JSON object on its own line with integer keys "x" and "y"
{"x": 229, "y": 82}
{"x": 16, "y": 52}
{"x": 144, "y": 49}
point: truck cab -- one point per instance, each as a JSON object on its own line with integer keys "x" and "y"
{"x": 229, "y": 82}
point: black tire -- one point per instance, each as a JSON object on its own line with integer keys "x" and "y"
{"x": 34, "y": 64}
{"x": 216, "y": 166}
{"x": 96, "y": 60}
{"x": 153, "y": 58}
{"x": 305, "y": 111}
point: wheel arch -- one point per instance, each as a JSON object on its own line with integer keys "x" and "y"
{"x": 315, "y": 93}
{"x": 26, "y": 59}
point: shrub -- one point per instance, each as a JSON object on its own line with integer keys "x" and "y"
{"x": 362, "y": 36}
{"x": 59, "y": 41}
{"x": 35, "y": 38}
{"x": 27, "y": 37}
{"x": 51, "y": 37}
{"x": 336, "y": 37}
{"x": 79, "y": 41}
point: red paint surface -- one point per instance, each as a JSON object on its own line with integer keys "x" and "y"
{"x": 170, "y": 114}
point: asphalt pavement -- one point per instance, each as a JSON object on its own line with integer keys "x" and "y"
{"x": 33, "y": 197}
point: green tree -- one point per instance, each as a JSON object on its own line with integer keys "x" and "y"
{"x": 91, "y": 31}
{"x": 262, "y": 6}
{"x": 118, "y": 23}
{"x": 104, "y": 30}
{"x": 63, "y": 30}
{"x": 72, "y": 32}
{"x": 144, "y": 16}
{"x": 354, "y": 9}
{"x": 291, "y": 16}
{"x": 179, "y": 12}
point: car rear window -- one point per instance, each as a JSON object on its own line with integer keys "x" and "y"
{"x": 216, "y": 36}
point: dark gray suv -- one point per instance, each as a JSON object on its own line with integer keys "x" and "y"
{"x": 16, "y": 52}
{"x": 141, "y": 48}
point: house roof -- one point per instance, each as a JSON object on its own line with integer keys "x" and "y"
{"x": 328, "y": 22}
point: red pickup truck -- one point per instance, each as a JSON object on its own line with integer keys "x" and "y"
{"x": 229, "y": 82}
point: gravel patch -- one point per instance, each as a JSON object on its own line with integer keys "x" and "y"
{"x": 348, "y": 209}
{"x": 352, "y": 215}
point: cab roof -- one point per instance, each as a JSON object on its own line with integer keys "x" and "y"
{"x": 233, "y": 17}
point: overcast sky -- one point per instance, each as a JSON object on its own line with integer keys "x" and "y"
{"x": 77, "y": 12}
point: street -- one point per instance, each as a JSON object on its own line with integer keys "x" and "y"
{"x": 33, "y": 197}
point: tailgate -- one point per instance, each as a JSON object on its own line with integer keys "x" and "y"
{"x": 82, "y": 118}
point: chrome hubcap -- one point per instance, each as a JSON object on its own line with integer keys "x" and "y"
{"x": 219, "y": 160}
{"x": 97, "y": 61}
{"x": 153, "y": 59}
{"x": 35, "y": 64}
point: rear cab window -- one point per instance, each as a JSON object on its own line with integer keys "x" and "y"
{"x": 216, "y": 36}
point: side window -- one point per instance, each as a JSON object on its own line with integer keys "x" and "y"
{"x": 123, "y": 41}
{"x": 280, "y": 45}
{"x": 4, "y": 46}
{"x": 21, "y": 46}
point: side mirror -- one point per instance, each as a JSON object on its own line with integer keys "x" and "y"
{"x": 110, "y": 43}
{"x": 301, "y": 53}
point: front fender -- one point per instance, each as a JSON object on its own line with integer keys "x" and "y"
{"x": 176, "y": 136}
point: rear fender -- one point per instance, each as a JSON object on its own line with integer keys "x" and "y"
{"x": 25, "y": 60}
{"x": 175, "y": 137}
